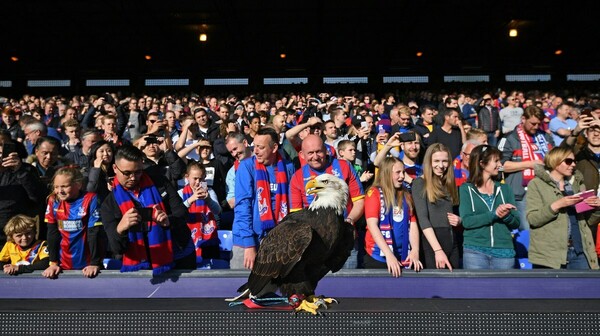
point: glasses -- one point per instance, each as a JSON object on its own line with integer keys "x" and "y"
{"x": 466, "y": 154}
{"x": 569, "y": 161}
{"x": 128, "y": 174}
{"x": 594, "y": 130}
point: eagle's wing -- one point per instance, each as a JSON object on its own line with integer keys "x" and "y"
{"x": 280, "y": 250}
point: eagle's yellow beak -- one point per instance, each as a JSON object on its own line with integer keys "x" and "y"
{"x": 312, "y": 187}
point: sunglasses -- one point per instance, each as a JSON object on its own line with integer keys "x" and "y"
{"x": 569, "y": 161}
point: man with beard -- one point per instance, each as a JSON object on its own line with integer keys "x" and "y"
{"x": 409, "y": 156}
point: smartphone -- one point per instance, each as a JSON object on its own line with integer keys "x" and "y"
{"x": 7, "y": 148}
{"x": 364, "y": 124}
{"x": 204, "y": 185}
{"x": 587, "y": 113}
{"x": 145, "y": 213}
{"x": 145, "y": 224}
{"x": 408, "y": 137}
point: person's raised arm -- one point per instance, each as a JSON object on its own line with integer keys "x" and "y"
{"x": 394, "y": 141}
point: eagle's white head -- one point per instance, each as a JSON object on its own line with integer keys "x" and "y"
{"x": 331, "y": 192}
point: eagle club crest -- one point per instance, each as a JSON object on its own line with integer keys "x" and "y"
{"x": 262, "y": 203}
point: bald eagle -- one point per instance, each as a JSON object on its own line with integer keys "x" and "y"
{"x": 305, "y": 245}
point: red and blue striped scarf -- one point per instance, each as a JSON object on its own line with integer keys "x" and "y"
{"x": 394, "y": 230}
{"x": 263, "y": 194}
{"x": 202, "y": 223}
{"x": 159, "y": 238}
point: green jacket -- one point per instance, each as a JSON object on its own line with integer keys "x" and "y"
{"x": 482, "y": 226}
{"x": 549, "y": 230}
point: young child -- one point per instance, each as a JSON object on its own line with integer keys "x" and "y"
{"x": 23, "y": 253}
{"x": 203, "y": 207}
{"x": 74, "y": 226}
{"x": 346, "y": 149}
{"x": 478, "y": 135}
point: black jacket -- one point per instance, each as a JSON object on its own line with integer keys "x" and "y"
{"x": 170, "y": 165}
{"x": 177, "y": 212}
{"x": 21, "y": 192}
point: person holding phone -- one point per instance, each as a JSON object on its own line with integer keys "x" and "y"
{"x": 488, "y": 213}
{"x": 100, "y": 168}
{"x": 167, "y": 232}
{"x": 587, "y": 155}
{"x": 21, "y": 181}
{"x": 560, "y": 237}
{"x": 204, "y": 210}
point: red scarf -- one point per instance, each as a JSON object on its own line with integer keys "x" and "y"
{"x": 529, "y": 149}
{"x": 263, "y": 193}
{"x": 202, "y": 223}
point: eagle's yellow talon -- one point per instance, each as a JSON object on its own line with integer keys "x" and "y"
{"x": 312, "y": 304}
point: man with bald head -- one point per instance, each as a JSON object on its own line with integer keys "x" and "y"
{"x": 317, "y": 163}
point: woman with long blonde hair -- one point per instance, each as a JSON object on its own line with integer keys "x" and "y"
{"x": 392, "y": 238}
{"x": 435, "y": 196}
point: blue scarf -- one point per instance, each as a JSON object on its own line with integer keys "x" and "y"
{"x": 394, "y": 230}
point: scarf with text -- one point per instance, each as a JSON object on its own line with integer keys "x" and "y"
{"x": 263, "y": 194}
{"x": 202, "y": 223}
{"x": 394, "y": 227}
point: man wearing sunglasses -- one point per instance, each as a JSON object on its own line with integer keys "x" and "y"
{"x": 143, "y": 211}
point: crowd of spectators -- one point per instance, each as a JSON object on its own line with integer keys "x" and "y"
{"x": 436, "y": 180}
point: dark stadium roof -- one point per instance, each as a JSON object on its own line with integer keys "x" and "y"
{"x": 76, "y": 37}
